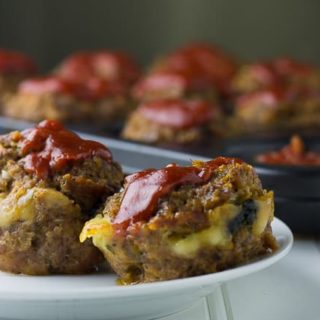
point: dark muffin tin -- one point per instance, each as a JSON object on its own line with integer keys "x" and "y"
{"x": 296, "y": 188}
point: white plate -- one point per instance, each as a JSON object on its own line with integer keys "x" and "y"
{"x": 98, "y": 296}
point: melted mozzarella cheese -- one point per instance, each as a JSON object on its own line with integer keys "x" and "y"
{"x": 218, "y": 234}
{"x": 23, "y": 204}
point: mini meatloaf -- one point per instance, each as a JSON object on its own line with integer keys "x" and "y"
{"x": 294, "y": 154}
{"x": 281, "y": 71}
{"x": 262, "y": 109}
{"x": 281, "y": 108}
{"x": 173, "y": 120}
{"x": 184, "y": 221}
{"x": 51, "y": 182}
{"x": 47, "y": 98}
{"x": 109, "y": 75}
{"x": 14, "y": 67}
{"x": 205, "y": 66}
{"x": 168, "y": 84}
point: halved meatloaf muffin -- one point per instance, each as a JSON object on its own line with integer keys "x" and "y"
{"x": 178, "y": 221}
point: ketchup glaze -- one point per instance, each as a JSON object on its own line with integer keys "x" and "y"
{"x": 178, "y": 113}
{"x": 144, "y": 189}
{"x": 42, "y": 85}
{"x": 114, "y": 66}
{"x": 270, "y": 97}
{"x": 91, "y": 90}
{"x": 49, "y": 147}
{"x": 205, "y": 62}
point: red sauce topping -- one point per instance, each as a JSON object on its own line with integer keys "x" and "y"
{"x": 12, "y": 62}
{"x": 268, "y": 97}
{"x": 45, "y": 85}
{"x": 278, "y": 72}
{"x": 178, "y": 113}
{"x": 293, "y": 154}
{"x": 203, "y": 62}
{"x": 49, "y": 147}
{"x": 93, "y": 89}
{"x": 143, "y": 190}
{"x": 106, "y": 65}
{"x": 264, "y": 73}
{"x": 165, "y": 83}
{"x": 115, "y": 66}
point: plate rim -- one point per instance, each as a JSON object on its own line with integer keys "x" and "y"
{"x": 283, "y": 235}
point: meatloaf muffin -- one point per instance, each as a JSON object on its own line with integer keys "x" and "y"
{"x": 173, "y": 85}
{"x": 47, "y": 98}
{"x": 281, "y": 71}
{"x": 205, "y": 62}
{"x": 51, "y": 182}
{"x": 109, "y": 75}
{"x": 262, "y": 109}
{"x": 207, "y": 66}
{"x": 281, "y": 108}
{"x": 14, "y": 67}
{"x": 184, "y": 221}
{"x": 113, "y": 66}
{"x": 173, "y": 120}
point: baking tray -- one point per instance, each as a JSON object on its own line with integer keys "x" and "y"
{"x": 297, "y": 190}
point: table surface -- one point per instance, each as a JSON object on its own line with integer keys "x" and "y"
{"x": 288, "y": 290}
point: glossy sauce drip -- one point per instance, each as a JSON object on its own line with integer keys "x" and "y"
{"x": 293, "y": 154}
{"x": 178, "y": 113}
{"x": 144, "y": 189}
{"x": 49, "y": 148}
{"x": 12, "y": 62}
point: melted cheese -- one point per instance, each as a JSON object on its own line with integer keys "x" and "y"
{"x": 216, "y": 235}
{"x": 22, "y": 204}
{"x": 265, "y": 213}
{"x": 99, "y": 229}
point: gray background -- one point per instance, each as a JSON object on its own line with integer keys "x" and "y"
{"x": 251, "y": 29}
